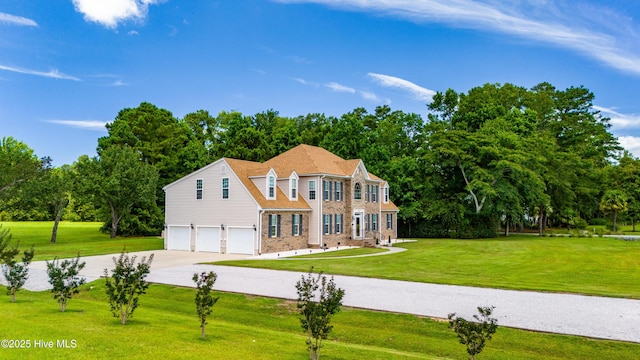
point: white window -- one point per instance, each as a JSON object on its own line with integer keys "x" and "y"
{"x": 389, "y": 221}
{"x": 374, "y": 222}
{"x": 274, "y": 225}
{"x": 374, "y": 193}
{"x": 225, "y": 188}
{"x": 338, "y": 189}
{"x": 325, "y": 190}
{"x": 338, "y": 223}
{"x": 296, "y": 224}
{"x": 326, "y": 224}
{"x": 293, "y": 188}
{"x": 199, "y": 189}
{"x": 386, "y": 194}
{"x": 312, "y": 189}
{"x": 271, "y": 187}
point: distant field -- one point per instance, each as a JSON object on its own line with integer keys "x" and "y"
{"x": 594, "y": 266}
{"x": 74, "y": 237}
{"x": 165, "y": 326}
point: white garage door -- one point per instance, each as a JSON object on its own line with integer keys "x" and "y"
{"x": 240, "y": 241}
{"x": 208, "y": 239}
{"x": 178, "y": 238}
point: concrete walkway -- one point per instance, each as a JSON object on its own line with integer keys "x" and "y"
{"x": 592, "y": 316}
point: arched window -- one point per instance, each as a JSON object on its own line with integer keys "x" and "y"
{"x": 357, "y": 191}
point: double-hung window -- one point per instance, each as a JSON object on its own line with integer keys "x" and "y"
{"x": 271, "y": 188}
{"x": 274, "y": 225}
{"x": 325, "y": 190}
{"x": 199, "y": 189}
{"x": 326, "y": 224}
{"x": 338, "y": 189}
{"x": 374, "y": 193}
{"x": 312, "y": 189}
{"x": 294, "y": 188}
{"x": 386, "y": 194}
{"x": 225, "y": 188}
{"x": 338, "y": 223}
{"x": 389, "y": 221}
{"x": 374, "y": 222}
{"x": 296, "y": 224}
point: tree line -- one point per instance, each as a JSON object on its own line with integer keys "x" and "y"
{"x": 497, "y": 156}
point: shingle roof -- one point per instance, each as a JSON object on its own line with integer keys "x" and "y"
{"x": 244, "y": 169}
{"x": 307, "y": 159}
{"x": 304, "y": 160}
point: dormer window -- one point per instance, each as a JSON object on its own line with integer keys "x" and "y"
{"x": 293, "y": 188}
{"x": 271, "y": 187}
{"x": 386, "y": 194}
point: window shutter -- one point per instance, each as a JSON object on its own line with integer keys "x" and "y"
{"x": 366, "y": 196}
{"x": 342, "y": 190}
{"x": 330, "y": 224}
{"x": 278, "y": 227}
{"x": 293, "y": 224}
{"x": 300, "y": 223}
{"x": 330, "y": 190}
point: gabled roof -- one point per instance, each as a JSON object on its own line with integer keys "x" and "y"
{"x": 244, "y": 169}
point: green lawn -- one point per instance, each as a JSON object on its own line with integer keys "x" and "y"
{"x": 74, "y": 237}
{"x": 248, "y": 327}
{"x": 595, "y": 266}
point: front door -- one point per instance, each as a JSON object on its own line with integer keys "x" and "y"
{"x": 357, "y": 225}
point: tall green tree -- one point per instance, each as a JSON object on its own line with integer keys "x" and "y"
{"x": 18, "y": 164}
{"x": 118, "y": 180}
{"x": 614, "y": 202}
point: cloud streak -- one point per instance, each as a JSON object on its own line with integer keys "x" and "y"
{"x": 418, "y": 92}
{"x": 82, "y": 124}
{"x": 618, "y": 120}
{"x": 54, "y": 73}
{"x": 340, "y": 88}
{"x": 631, "y": 143}
{"x": 111, "y": 13}
{"x": 610, "y": 38}
{"x": 16, "y": 20}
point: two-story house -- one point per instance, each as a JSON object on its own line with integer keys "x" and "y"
{"x": 304, "y": 198}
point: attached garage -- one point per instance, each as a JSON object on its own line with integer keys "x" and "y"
{"x": 208, "y": 238}
{"x": 240, "y": 241}
{"x": 178, "y": 238}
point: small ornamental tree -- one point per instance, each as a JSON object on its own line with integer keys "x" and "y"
{"x": 474, "y": 334}
{"x": 63, "y": 276}
{"x": 318, "y": 301}
{"x": 126, "y": 284}
{"x": 15, "y": 273}
{"x": 204, "y": 299}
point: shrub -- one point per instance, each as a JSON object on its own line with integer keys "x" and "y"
{"x": 126, "y": 284}
{"x": 474, "y": 335}
{"x": 64, "y": 279}
{"x": 317, "y": 309}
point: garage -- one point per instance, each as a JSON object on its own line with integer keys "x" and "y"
{"x": 178, "y": 238}
{"x": 240, "y": 241}
{"x": 208, "y": 238}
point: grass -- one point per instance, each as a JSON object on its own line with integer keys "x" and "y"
{"x": 594, "y": 266}
{"x": 74, "y": 237}
{"x": 248, "y": 327}
{"x": 341, "y": 253}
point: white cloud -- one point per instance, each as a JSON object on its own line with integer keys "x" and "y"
{"x": 305, "y": 82}
{"x": 631, "y": 143}
{"x": 367, "y": 95}
{"x": 119, "y": 82}
{"x": 340, "y": 88}
{"x": 82, "y": 124}
{"x": 16, "y": 20}
{"x": 618, "y": 120}
{"x": 54, "y": 73}
{"x": 420, "y": 93}
{"x": 111, "y": 12}
{"x": 597, "y": 32}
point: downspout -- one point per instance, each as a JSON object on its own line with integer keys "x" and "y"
{"x": 321, "y": 215}
{"x": 259, "y": 231}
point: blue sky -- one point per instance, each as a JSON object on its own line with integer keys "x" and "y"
{"x": 68, "y": 66}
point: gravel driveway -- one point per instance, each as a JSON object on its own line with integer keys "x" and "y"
{"x": 592, "y": 316}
